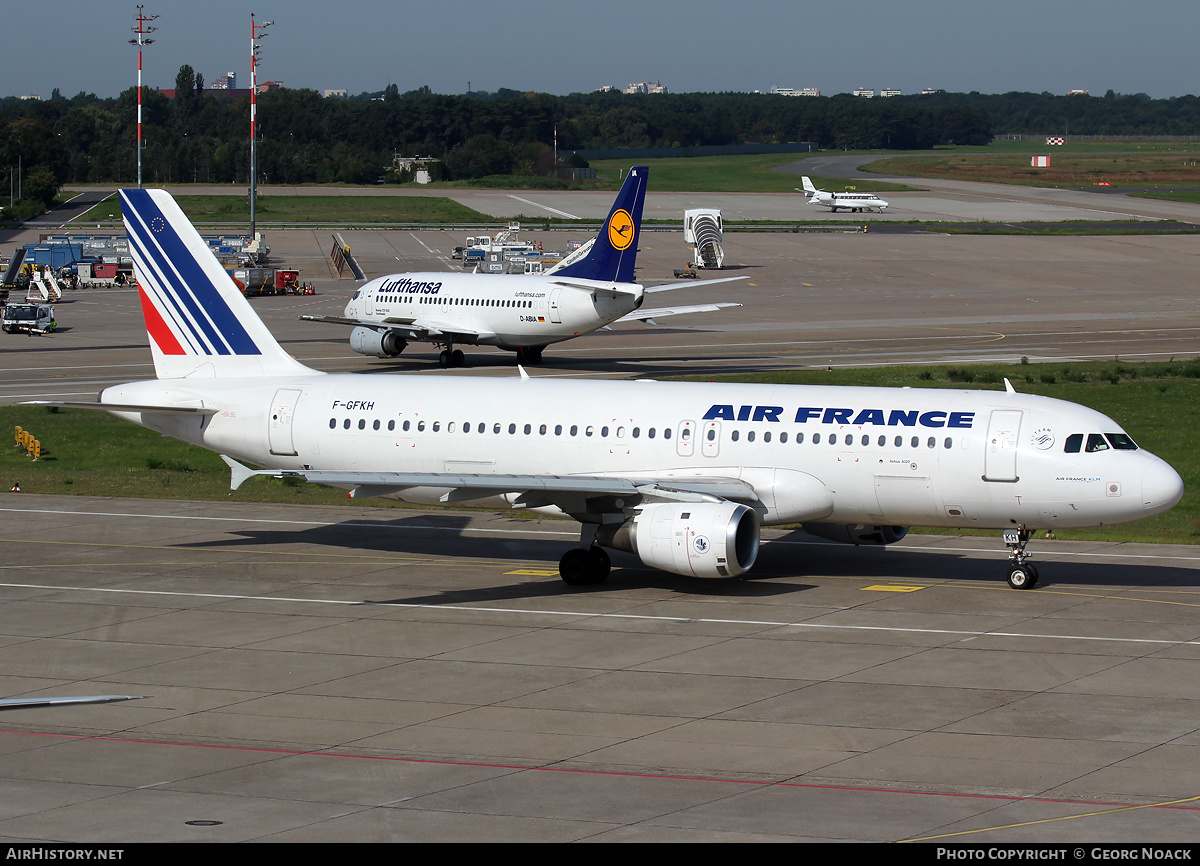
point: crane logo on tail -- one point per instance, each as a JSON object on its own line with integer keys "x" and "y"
{"x": 620, "y": 229}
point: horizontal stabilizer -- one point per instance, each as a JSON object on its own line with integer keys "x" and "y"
{"x": 690, "y": 284}
{"x": 124, "y": 407}
{"x": 661, "y": 312}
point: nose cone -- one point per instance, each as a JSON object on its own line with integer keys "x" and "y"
{"x": 1161, "y": 487}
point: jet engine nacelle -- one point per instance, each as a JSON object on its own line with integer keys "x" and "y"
{"x": 857, "y": 533}
{"x": 702, "y": 539}
{"x": 379, "y": 344}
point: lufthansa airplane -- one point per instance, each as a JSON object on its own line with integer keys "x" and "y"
{"x": 515, "y": 312}
{"x": 681, "y": 474}
{"x": 851, "y": 201}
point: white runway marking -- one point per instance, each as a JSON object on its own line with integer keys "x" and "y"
{"x": 577, "y": 615}
{"x": 561, "y": 213}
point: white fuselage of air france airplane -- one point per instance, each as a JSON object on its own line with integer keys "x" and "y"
{"x": 807, "y": 454}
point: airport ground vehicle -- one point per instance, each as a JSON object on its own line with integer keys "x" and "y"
{"x": 29, "y": 319}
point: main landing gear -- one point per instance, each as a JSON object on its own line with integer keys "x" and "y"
{"x": 452, "y": 358}
{"x": 587, "y": 564}
{"x": 584, "y": 566}
{"x": 529, "y": 354}
{"x": 1021, "y": 574}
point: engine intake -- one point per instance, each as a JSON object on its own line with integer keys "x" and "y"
{"x": 705, "y": 539}
{"x": 368, "y": 341}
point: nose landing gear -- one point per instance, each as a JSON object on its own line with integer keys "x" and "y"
{"x": 1021, "y": 573}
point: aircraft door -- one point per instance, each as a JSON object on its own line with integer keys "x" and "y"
{"x": 685, "y": 435}
{"x": 710, "y": 444}
{"x": 555, "y": 314}
{"x": 279, "y": 433}
{"x": 1000, "y": 450}
{"x": 369, "y": 302}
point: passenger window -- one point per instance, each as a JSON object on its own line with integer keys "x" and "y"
{"x": 420, "y": 426}
{"x": 712, "y": 434}
{"x": 589, "y": 431}
{"x": 783, "y": 438}
{"x": 650, "y": 432}
{"x": 882, "y": 441}
{"x": 734, "y": 435}
{"x": 637, "y": 431}
{"x": 767, "y": 436}
{"x": 528, "y": 428}
{"x": 574, "y": 430}
{"x": 512, "y": 428}
{"x": 899, "y": 441}
{"x": 407, "y": 424}
{"x": 332, "y": 423}
{"x": 799, "y": 438}
{"x": 557, "y": 429}
{"x": 849, "y": 438}
{"x": 750, "y": 436}
{"x": 362, "y": 423}
{"x": 949, "y": 443}
{"x": 375, "y": 424}
{"x": 816, "y": 438}
{"x": 916, "y": 441}
{"x": 1096, "y": 442}
{"x": 437, "y": 425}
{"x": 392, "y": 425}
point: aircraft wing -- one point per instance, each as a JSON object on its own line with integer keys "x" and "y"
{"x": 660, "y": 312}
{"x": 26, "y": 703}
{"x": 410, "y": 329}
{"x": 570, "y": 493}
{"x": 690, "y": 284}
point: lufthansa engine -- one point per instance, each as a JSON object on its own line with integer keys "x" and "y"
{"x": 857, "y": 533}
{"x": 703, "y": 539}
{"x": 368, "y": 341}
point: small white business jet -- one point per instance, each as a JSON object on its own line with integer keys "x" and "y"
{"x": 681, "y": 474}
{"x": 855, "y": 202}
{"x": 520, "y": 313}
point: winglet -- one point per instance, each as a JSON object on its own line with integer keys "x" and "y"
{"x": 524, "y": 375}
{"x": 1008, "y": 386}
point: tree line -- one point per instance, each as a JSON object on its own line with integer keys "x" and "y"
{"x": 198, "y": 136}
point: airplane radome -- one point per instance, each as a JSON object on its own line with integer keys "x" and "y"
{"x": 683, "y": 475}
{"x": 523, "y": 314}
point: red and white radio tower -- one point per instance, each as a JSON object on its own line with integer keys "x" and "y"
{"x": 255, "y": 34}
{"x": 141, "y": 41}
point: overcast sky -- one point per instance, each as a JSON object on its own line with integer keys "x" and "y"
{"x": 563, "y": 47}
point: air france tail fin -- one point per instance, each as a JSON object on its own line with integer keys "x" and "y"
{"x": 615, "y": 248}
{"x": 199, "y": 322}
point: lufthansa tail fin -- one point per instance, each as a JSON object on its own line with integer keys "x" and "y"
{"x": 199, "y": 322}
{"x": 615, "y": 248}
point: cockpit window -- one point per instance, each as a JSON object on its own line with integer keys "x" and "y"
{"x": 1074, "y": 443}
{"x": 1121, "y": 441}
{"x": 1096, "y": 442}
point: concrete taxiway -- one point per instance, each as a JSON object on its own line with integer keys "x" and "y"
{"x": 348, "y": 674}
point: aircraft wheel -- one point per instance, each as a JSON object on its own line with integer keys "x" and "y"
{"x": 600, "y": 564}
{"x": 582, "y": 567}
{"x": 458, "y": 359}
{"x": 573, "y": 567}
{"x": 444, "y": 358}
{"x": 1022, "y": 577}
